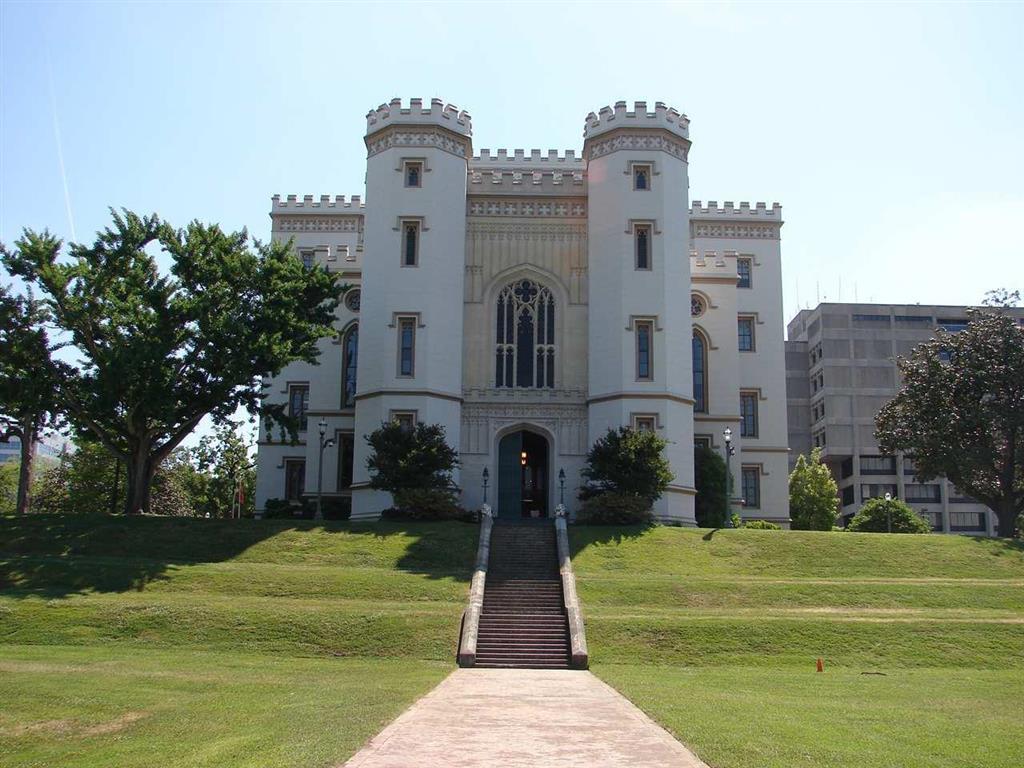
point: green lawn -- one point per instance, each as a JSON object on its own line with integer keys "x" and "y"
{"x": 179, "y": 643}
{"x": 716, "y": 635}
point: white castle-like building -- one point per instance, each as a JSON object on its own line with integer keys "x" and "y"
{"x": 530, "y": 301}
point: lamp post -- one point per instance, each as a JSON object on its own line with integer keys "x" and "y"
{"x": 888, "y": 513}
{"x": 561, "y": 484}
{"x": 322, "y": 424}
{"x": 729, "y": 450}
{"x": 487, "y": 476}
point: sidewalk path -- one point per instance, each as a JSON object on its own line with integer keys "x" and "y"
{"x": 522, "y": 717}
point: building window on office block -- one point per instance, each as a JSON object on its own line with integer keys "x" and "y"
{"x": 298, "y": 404}
{"x": 751, "y": 479}
{"x": 294, "y": 479}
{"x": 922, "y": 493}
{"x": 746, "y": 333}
{"x": 644, "y": 330}
{"x": 642, "y": 245}
{"x": 406, "y": 419}
{"x": 413, "y": 173}
{"x": 878, "y": 465}
{"x": 744, "y": 268}
{"x": 877, "y": 491}
{"x": 410, "y": 243}
{"x": 407, "y": 346}
{"x": 346, "y": 459}
{"x": 748, "y": 414}
{"x": 848, "y": 496}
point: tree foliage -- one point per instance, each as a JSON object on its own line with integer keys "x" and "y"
{"x": 960, "y": 412}
{"x": 813, "y": 495}
{"x": 156, "y": 353}
{"x": 709, "y": 478}
{"x": 887, "y": 515}
{"x": 628, "y": 462}
{"x": 221, "y": 473}
{"x": 406, "y": 460}
{"x": 28, "y": 390}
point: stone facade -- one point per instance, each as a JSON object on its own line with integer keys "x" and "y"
{"x": 840, "y": 371}
{"x": 554, "y": 294}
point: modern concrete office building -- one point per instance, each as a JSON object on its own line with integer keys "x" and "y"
{"x": 840, "y": 371}
{"x": 530, "y": 300}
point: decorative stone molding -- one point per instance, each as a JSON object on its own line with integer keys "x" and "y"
{"x": 417, "y": 136}
{"x": 525, "y": 208}
{"x": 743, "y": 231}
{"x": 638, "y": 139}
{"x": 307, "y": 223}
{"x": 566, "y": 233}
{"x": 567, "y": 421}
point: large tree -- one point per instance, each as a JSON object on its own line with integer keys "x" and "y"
{"x": 813, "y": 495}
{"x": 156, "y": 353}
{"x": 627, "y": 461}
{"x": 960, "y": 411}
{"x": 28, "y": 390}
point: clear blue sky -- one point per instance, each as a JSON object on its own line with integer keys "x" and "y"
{"x": 892, "y": 136}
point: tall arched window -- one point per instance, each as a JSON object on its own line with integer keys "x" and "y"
{"x": 349, "y": 357}
{"x": 525, "y": 351}
{"x": 700, "y": 373}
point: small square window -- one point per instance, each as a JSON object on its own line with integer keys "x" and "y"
{"x": 702, "y": 441}
{"x": 410, "y": 243}
{"x": 744, "y": 267}
{"x": 647, "y": 422}
{"x": 413, "y": 173}
{"x": 746, "y": 334}
{"x": 308, "y": 258}
{"x": 642, "y": 245}
{"x": 641, "y": 177}
{"x": 406, "y": 419}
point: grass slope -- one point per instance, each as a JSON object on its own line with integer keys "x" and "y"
{"x": 135, "y": 642}
{"x": 715, "y": 634}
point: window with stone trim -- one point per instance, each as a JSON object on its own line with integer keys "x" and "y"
{"x": 748, "y": 414}
{"x": 349, "y": 358}
{"x": 641, "y": 176}
{"x": 524, "y": 354}
{"x": 413, "y": 173}
{"x": 745, "y": 326}
{"x": 644, "y": 330}
{"x": 407, "y": 420}
{"x": 751, "y": 486}
{"x": 410, "y": 243}
{"x": 642, "y": 246}
{"x": 407, "y": 346}
{"x": 346, "y": 459}
{"x": 298, "y": 404}
{"x": 745, "y": 269}
{"x": 294, "y": 479}
{"x": 644, "y": 422}
{"x": 700, "y": 372}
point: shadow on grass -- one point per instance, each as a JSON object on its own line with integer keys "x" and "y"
{"x": 61, "y": 555}
{"x": 582, "y": 536}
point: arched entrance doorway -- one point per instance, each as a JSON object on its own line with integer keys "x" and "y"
{"x": 523, "y": 475}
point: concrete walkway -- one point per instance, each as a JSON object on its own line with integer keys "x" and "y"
{"x": 519, "y": 718}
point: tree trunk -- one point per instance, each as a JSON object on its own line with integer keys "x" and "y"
{"x": 140, "y": 481}
{"x": 1007, "y": 516}
{"x": 28, "y": 455}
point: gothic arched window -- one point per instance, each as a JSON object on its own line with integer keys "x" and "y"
{"x": 700, "y": 373}
{"x": 349, "y": 357}
{"x": 525, "y": 350}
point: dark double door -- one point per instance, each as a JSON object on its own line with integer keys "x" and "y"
{"x": 523, "y": 475}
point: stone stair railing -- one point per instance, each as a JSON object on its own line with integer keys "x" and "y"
{"x": 577, "y": 635}
{"x": 471, "y": 617}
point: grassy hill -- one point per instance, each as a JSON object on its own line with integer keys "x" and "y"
{"x": 716, "y": 634}
{"x": 134, "y": 642}
{"x": 131, "y": 642}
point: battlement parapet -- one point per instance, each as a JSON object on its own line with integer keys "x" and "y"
{"x": 503, "y": 157}
{"x": 609, "y": 118}
{"x": 322, "y": 204}
{"x": 445, "y": 115}
{"x": 744, "y": 210}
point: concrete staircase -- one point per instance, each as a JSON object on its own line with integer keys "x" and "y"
{"x": 523, "y": 622}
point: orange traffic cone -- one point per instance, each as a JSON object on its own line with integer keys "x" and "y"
{"x": 821, "y": 665}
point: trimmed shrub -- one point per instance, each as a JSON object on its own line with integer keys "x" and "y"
{"x": 762, "y": 525}
{"x": 424, "y": 504}
{"x": 881, "y": 515}
{"x": 285, "y": 509}
{"x": 615, "y": 509}
{"x": 627, "y": 462}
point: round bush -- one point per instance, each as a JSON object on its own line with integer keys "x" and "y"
{"x": 424, "y": 504}
{"x": 880, "y": 516}
{"x": 615, "y": 509}
{"x": 762, "y": 525}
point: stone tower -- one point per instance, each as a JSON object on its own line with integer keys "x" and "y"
{"x": 640, "y": 331}
{"x": 410, "y": 360}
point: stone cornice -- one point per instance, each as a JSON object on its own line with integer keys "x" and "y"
{"x": 342, "y": 222}
{"x": 560, "y": 232}
{"x": 563, "y": 208}
{"x": 431, "y": 136}
{"x": 735, "y": 229}
{"x": 657, "y": 139}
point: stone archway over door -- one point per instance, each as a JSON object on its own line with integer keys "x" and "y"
{"x": 523, "y": 475}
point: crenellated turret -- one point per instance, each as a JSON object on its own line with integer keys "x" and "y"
{"x": 639, "y": 277}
